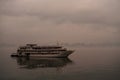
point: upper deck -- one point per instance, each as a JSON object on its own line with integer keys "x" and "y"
{"x": 34, "y": 46}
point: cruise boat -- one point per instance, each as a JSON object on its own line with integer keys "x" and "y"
{"x": 33, "y": 50}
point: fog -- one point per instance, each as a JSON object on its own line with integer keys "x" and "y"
{"x": 65, "y": 21}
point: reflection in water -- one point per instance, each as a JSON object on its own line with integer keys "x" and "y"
{"x": 88, "y": 64}
{"x": 31, "y": 63}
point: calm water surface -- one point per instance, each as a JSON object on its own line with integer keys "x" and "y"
{"x": 86, "y": 63}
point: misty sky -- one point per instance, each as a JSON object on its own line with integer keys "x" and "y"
{"x": 71, "y": 21}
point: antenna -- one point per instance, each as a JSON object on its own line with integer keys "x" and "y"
{"x": 57, "y": 43}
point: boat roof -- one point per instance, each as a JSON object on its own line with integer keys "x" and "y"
{"x": 31, "y": 44}
{"x": 36, "y": 46}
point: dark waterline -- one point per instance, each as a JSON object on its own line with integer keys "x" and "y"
{"x": 86, "y": 63}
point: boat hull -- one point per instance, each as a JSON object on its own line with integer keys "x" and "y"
{"x": 60, "y": 55}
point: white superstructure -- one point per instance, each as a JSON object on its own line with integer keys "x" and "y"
{"x": 43, "y": 51}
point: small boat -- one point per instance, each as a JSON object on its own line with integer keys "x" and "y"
{"x": 33, "y": 50}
